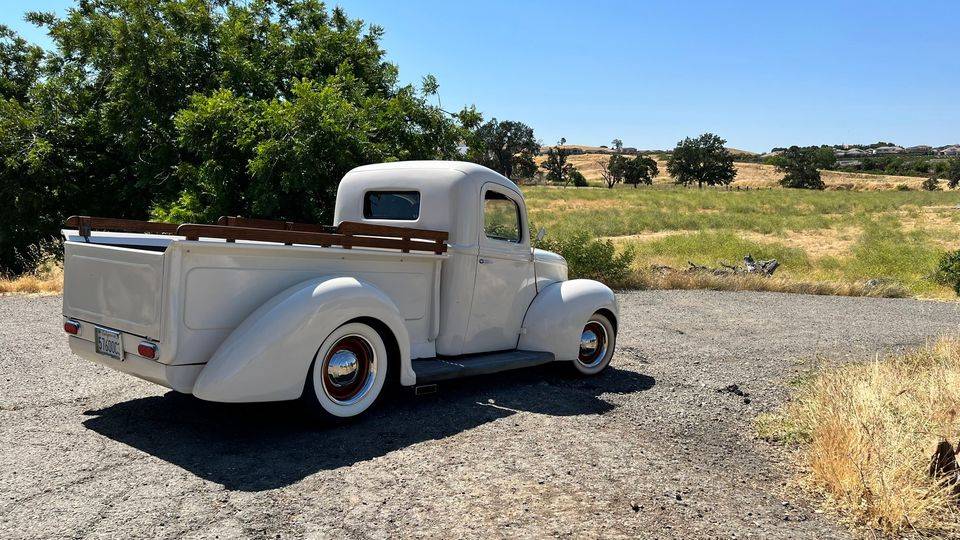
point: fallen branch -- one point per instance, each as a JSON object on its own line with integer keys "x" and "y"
{"x": 751, "y": 266}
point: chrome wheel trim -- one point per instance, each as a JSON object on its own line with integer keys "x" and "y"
{"x": 593, "y": 344}
{"x": 349, "y": 370}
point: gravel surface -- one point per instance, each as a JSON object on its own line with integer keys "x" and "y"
{"x": 652, "y": 448}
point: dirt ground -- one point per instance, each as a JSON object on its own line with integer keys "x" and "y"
{"x": 655, "y": 447}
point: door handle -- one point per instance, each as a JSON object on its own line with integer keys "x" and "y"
{"x": 484, "y": 261}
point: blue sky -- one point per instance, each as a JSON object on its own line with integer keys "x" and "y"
{"x": 651, "y": 73}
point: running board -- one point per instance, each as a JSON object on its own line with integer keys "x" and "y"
{"x": 431, "y": 370}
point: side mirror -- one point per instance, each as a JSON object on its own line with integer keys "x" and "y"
{"x": 540, "y": 234}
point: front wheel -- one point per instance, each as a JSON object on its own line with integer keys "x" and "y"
{"x": 349, "y": 371}
{"x": 598, "y": 339}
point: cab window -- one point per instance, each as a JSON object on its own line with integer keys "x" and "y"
{"x": 501, "y": 217}
{"x": 397, "y": 205}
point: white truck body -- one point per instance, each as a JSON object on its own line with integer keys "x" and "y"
{"x": 242, "y": 320}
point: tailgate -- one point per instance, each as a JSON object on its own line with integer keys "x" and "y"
{"x": 115, "y": 287}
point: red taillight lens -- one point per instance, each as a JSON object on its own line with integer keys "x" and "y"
{"x": 71, "y": 327}
{"x": 147, "y": 350}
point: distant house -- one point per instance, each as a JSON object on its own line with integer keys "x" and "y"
{"x": 849, "y": 162}
{"x": 949, "y": 150}
{"x": 920, "y": 149}
{"x": 854, "y": 152}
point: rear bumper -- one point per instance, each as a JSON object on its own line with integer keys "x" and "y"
{"x": 180, "y": 378}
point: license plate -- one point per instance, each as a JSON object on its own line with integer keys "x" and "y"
{"x": 108, "y": 343}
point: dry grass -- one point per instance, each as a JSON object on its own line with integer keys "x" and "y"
{"x": 46, "y": 280}
{"x": 867, "y": 433}
{"x": 698, "y": 280}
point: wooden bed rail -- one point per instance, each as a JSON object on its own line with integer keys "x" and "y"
{"x": 347, "y": 235}
{"x": 237, "y": 221}
{"x": 86, "y": 224}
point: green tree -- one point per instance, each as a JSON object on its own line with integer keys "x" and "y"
{"x": 700, "y": 161}
{"x": 640, "y": 170}
{"x": 799, "y": 166}
{"x": 824, "y": 157}
{"x": 506, "y": 147}
{"x": 195, "y": 108}
{"x": 557, "y": 169}
{"x": 953, "y": 173}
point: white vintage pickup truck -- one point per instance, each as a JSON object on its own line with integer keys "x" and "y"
{"x": 427, "y": 275}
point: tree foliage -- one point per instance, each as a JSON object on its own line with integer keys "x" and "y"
{"x": 799, "y": 166}
{"x": 700, "y": 161}
{"x": 640, "y": 170}
{"x": 507, "y": 147}
{"x": 953, "y": 173}
{"x": 198, "y": 108}
{"x": 556, "y": 167}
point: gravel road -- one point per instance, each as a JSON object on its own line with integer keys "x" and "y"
{"x": 651, "y": 448}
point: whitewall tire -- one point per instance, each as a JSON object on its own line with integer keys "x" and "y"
{"x": 598, "y": 340}
{"x": 349, "y": 371}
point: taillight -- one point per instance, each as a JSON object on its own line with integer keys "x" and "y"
{"x": 71, "y": 327}
{"x": 147, "y": 350}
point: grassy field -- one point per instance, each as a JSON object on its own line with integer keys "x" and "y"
{"x": 846, "y": 237}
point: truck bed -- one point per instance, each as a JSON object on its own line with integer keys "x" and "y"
{"x": 188, "y": 295}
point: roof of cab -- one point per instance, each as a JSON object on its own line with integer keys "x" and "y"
{"x": 472, "y": 172}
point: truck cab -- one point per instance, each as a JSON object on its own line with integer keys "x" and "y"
{"x": 244, "y": 311}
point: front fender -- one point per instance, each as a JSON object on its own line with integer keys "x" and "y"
{"x": 268, "y": 356}
{"x": 557, "y": 315}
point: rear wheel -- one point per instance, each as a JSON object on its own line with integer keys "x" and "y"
{"x": 349, "y": 371}
{"x": 597, "y": 343}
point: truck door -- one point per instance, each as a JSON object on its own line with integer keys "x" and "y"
{"x": 505, "y": 283}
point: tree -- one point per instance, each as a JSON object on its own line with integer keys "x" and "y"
{"x": 953, "y": 173}
{"x": 195, "y": 109}
{"x": 799, "y": 166}
{"x": 613, "y": 169}
{"x": 640, "y": 170}
{"x": 824, "y": 157}
{"x": 703, "y": 160}
{"x": 557, "y": 169}
{"x": 506, "y": 147}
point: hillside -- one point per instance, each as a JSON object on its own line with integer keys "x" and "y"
{"x": 755, "y": 175}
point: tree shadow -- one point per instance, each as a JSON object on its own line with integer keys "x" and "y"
{"x": 254, "y": 447}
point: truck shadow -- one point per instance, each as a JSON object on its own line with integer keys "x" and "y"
{"x": 254, "y": 447}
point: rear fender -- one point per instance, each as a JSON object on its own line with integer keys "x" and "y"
{"x": 268, "y": 356}
{"x": 557, "y": 315}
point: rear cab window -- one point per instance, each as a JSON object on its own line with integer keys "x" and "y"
{"x": 392, "y": 205}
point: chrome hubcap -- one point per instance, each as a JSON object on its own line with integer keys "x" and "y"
{"x": 349, "y": 370}
{"x": 343, "y": 368}
{"x": 593, "y": 344}
{"x": 588, "y": 343}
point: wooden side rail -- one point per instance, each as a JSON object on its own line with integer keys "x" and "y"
{"x": 232, "y": 234}
{"x": 255, "y": 223}
{"x": 352, "y": 228}
{"x": 86, "y": 224}
{"x": 348, "y": 234}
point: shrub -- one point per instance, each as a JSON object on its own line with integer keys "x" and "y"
{"x": 591, "y": 258}
{"x": 948, "y": 270}
{"x": 931, "y": 184}
{"x": 578, "y": 179}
